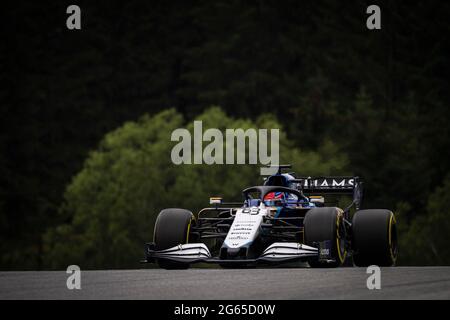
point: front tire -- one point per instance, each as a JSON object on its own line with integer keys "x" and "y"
{"x": 374, "y": 238}
{"x": 172, "y": 228}
{"x": 326, "y": 224}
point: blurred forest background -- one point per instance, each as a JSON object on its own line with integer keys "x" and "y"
{"x": 86, "y": 116}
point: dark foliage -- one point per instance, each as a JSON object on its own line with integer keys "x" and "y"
{"x": 382, "y": 96}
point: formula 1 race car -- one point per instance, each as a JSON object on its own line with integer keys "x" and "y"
{"x": 286, "y": 219}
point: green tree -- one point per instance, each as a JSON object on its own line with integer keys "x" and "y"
{"x": 112, "y": 203}
{"x": 425, "y": 240}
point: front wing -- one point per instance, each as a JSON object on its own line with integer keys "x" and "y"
{"x": 277, "y": 252}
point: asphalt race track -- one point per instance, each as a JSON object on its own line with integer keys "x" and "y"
{"x": 199, "y": 283}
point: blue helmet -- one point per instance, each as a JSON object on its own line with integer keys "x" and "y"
{"x": 282, "y": 180}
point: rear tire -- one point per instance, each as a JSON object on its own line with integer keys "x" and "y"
{"x": 374, "y": 238}
{"x": 172, "y": 228}
{"x": 322, "y": 224}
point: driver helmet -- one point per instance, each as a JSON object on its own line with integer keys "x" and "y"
{"x": 282, "y": 180}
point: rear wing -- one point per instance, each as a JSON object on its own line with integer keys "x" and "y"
{"x": 332, "y": 185}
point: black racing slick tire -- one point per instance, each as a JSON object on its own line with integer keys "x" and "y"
{"x": 172, "y": 228}
{"x": 326, "y": 224}
{"x": 374, "y": 238}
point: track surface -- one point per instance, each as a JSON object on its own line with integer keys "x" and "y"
{"x": 197, "y": 283}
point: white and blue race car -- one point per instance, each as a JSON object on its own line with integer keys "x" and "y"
{"x": 286, "y": 219}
